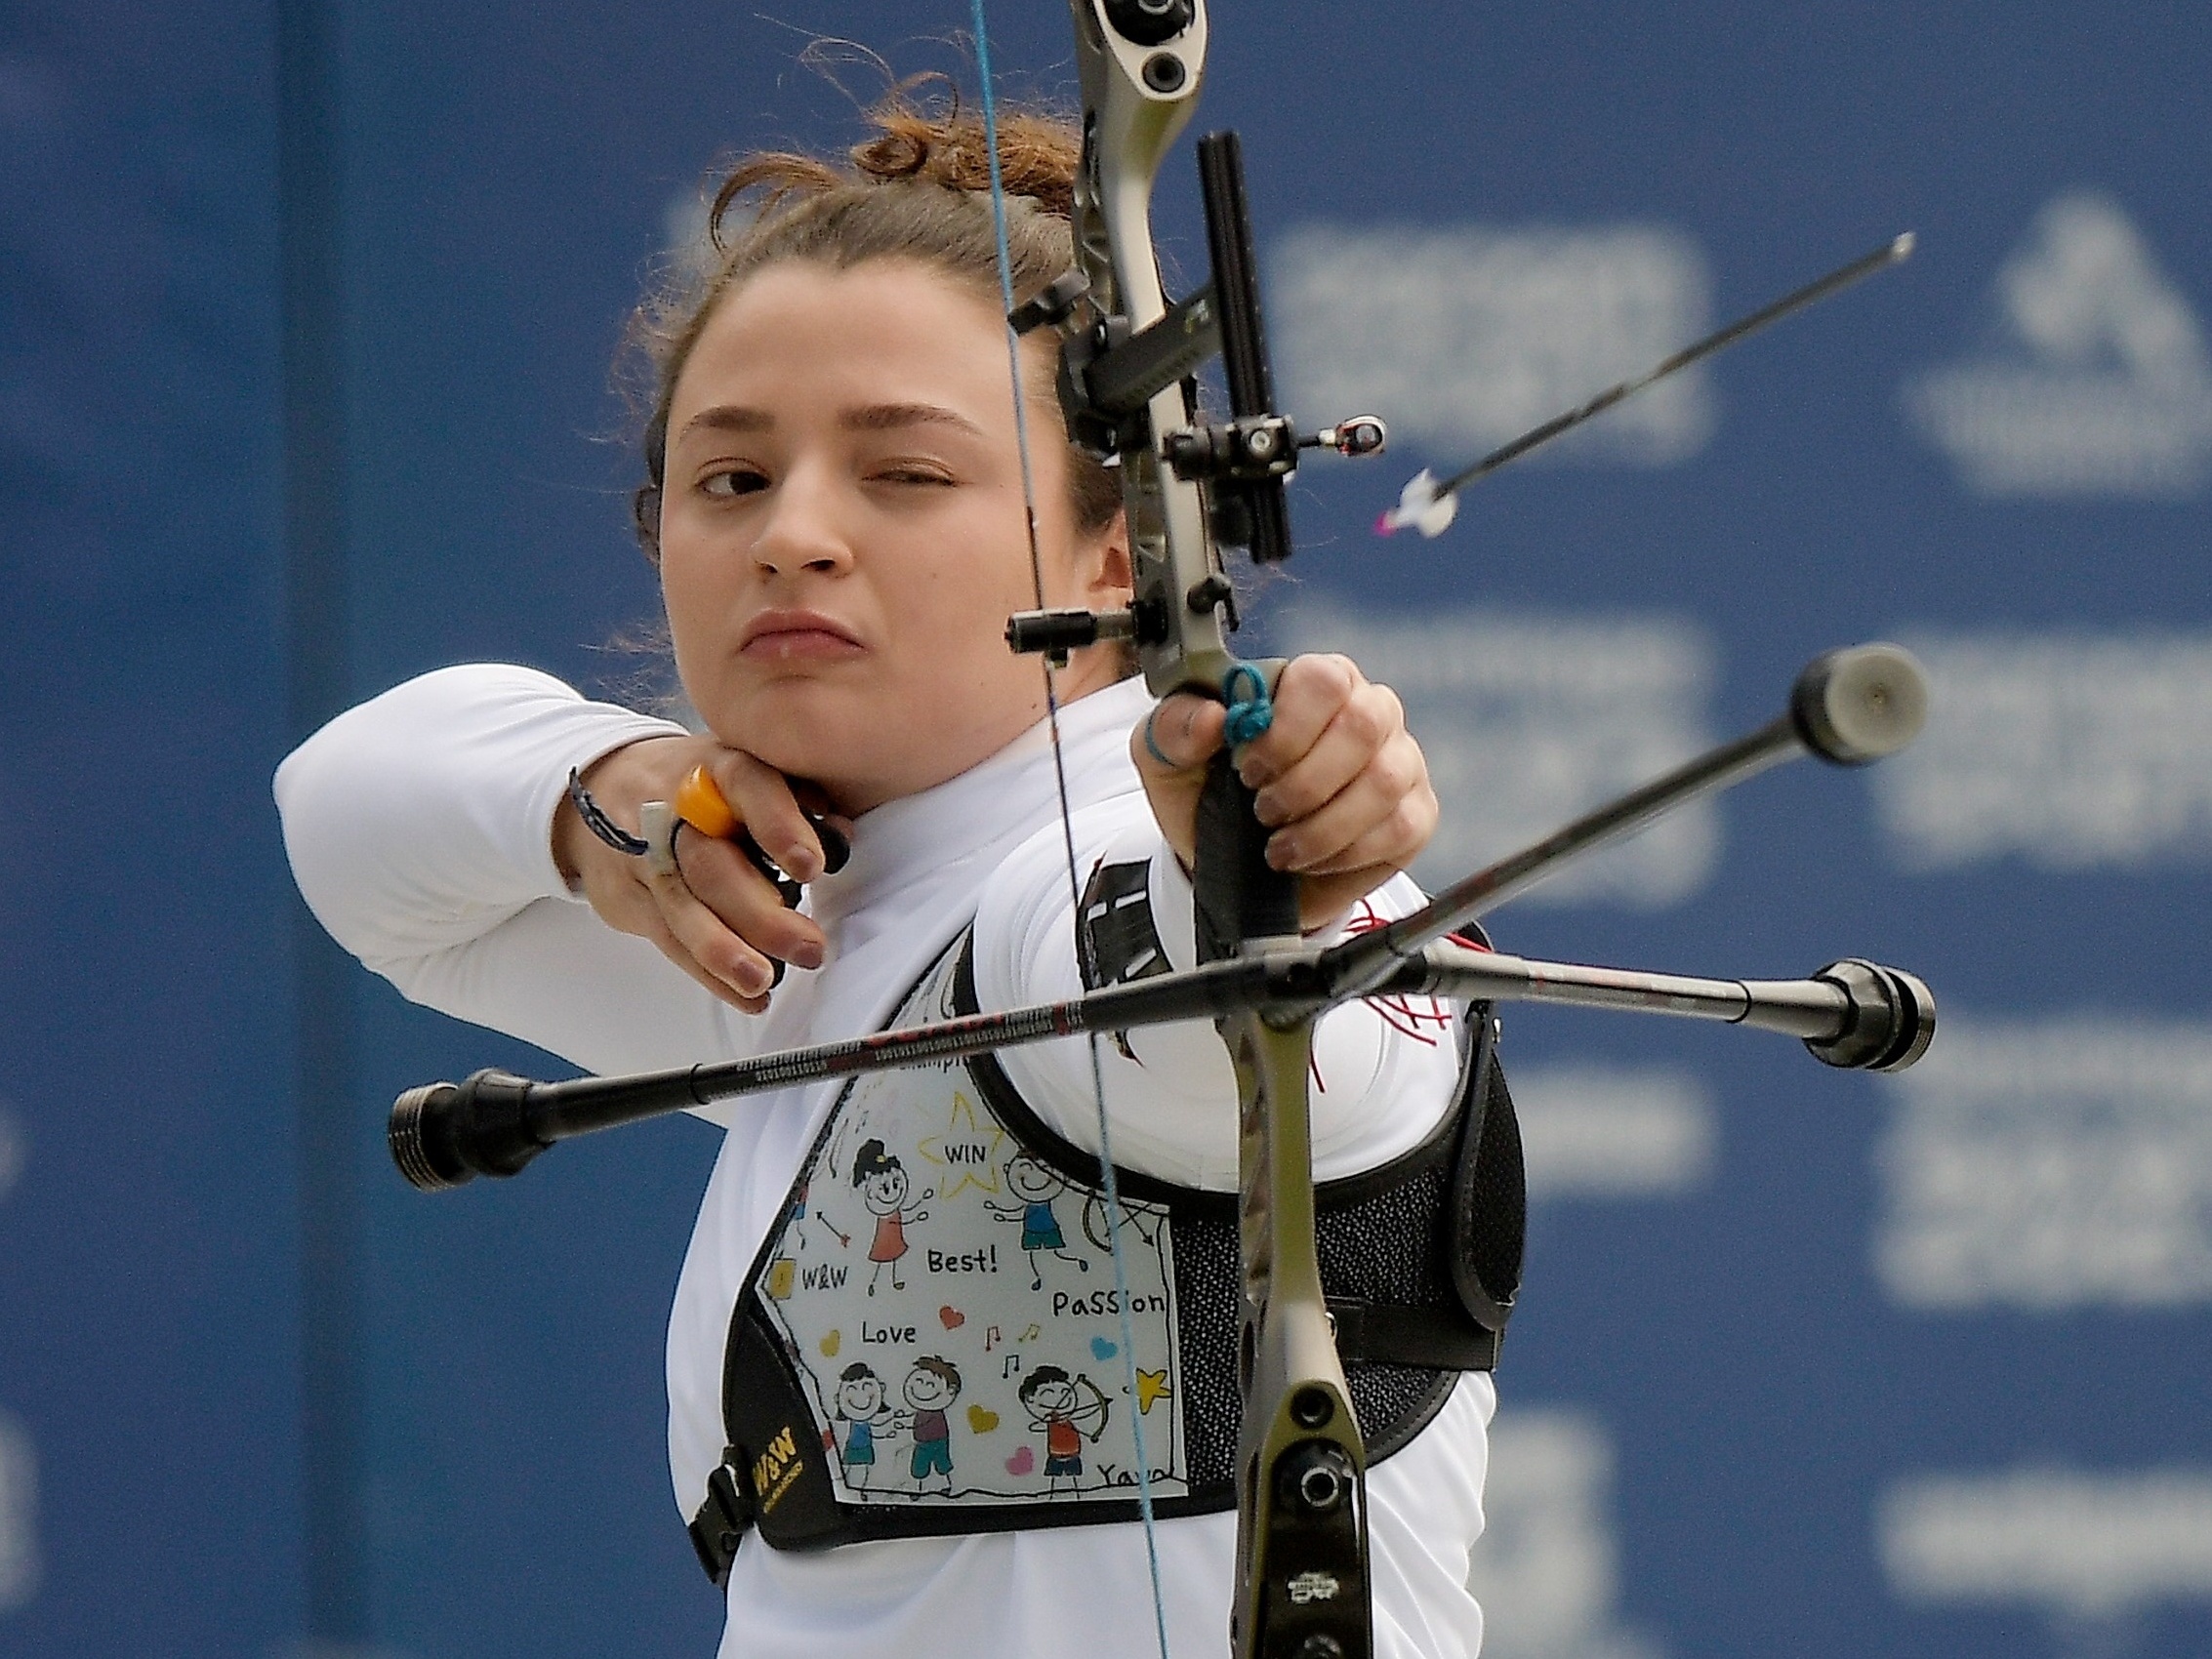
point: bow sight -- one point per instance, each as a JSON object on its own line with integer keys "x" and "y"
{"x": 1130, "y": 393}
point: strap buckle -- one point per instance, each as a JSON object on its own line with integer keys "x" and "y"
{"x": 720, "y": 1524}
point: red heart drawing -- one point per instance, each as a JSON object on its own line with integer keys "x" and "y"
{"x": 952, "y": 1318}
{"x": 1022, "y": 1462}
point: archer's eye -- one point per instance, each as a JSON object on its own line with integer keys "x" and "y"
{"x": 734, "y": 481}
{"x": 912, "y": 472}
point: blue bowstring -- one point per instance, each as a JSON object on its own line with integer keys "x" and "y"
{"x": 1114, "y": 1219}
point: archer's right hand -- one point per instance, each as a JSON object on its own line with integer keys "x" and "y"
{"x": 723, "y": 921}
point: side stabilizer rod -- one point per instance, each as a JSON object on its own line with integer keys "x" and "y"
{"x": 1852, "y": 1014}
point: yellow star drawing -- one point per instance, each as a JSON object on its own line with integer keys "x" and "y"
{"x": 1151, "y": 1386}
{"x": 967, "y": 1149}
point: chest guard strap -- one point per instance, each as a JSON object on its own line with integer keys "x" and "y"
{"x": 929, "y": 1342}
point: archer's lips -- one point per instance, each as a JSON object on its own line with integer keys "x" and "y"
{"x": 783, "y": 635}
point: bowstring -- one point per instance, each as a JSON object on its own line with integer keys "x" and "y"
{"x": 1114, "y": 1219}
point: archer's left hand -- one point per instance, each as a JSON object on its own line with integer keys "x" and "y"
{"x": 1340, "y": 780}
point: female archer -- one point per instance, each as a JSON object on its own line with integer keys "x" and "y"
{"x": 834, "y": 501}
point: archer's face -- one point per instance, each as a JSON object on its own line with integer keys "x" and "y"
{"x": 1054, "y": 1398}
{"x": 842, "y": 530}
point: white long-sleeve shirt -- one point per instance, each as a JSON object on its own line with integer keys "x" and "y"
{"x": 419, "y": 827}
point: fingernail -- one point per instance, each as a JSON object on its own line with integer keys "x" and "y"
{"x": 1268, "y": 810}
{"x": 806, "y": 956}
{"x": 753, "y": 979}
{"x": 802, "y": 864}
{"x": 1281, "y": 852}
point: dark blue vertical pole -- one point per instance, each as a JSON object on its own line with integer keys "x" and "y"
{"x": 310, "y": 178}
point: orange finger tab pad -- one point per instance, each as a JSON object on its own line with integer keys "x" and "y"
{"x": 700, "y": 804}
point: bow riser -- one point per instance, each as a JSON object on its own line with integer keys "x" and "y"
{"x": 1128, "y": 124}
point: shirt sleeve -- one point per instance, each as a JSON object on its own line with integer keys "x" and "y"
{"x": 420, "y": 831}
{"x": 1384, "y": 1072}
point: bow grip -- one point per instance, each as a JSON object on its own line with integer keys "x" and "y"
{"x": 1239, "y": 895}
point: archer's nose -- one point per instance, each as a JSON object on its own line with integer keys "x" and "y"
{"x": 804, "y": 532}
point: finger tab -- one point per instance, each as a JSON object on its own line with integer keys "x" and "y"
{"x": 700, "y": 804}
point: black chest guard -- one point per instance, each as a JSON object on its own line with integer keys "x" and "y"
{"x": 929, "y": 1342}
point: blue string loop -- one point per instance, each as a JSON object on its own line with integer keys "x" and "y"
{"x": 1250, "y": 714}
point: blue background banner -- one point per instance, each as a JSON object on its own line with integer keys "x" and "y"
{"x": 1808, "y": 1362}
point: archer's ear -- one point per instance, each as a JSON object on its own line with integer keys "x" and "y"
{"x": 1112, "y": 574}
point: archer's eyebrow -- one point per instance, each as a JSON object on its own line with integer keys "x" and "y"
{"x": 872, "y": 418}
{"x": 728, "y": 418}
{"x": 888, "y": 417}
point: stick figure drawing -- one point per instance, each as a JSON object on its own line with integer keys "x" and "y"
{"x": 1036, "y": 1185}
{"x": 883, "y": 1185}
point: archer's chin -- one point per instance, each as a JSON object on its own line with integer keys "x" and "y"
{"x": 799, "y": 725}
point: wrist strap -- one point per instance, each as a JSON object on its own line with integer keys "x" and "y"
{"x": 596, "y": 821}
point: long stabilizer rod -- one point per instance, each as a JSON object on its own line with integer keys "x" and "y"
{"x": 1849, "y": 707}
{"x": 1851, "y": 1014}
